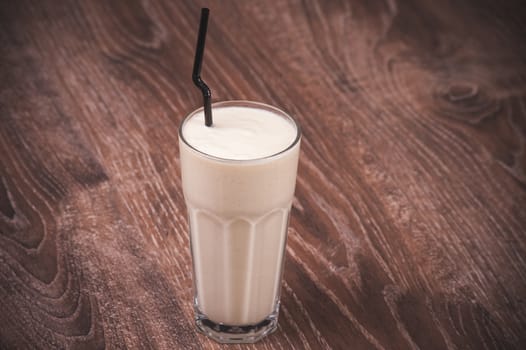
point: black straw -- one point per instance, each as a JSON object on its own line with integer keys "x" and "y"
{"x": 198, "y": 61}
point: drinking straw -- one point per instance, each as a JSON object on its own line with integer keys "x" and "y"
{"x": 198, "y": 61}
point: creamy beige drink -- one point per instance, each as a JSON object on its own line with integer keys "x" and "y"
{"x": 238, "y": 180}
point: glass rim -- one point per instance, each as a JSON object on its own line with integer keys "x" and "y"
{"x": 241, "y": 103}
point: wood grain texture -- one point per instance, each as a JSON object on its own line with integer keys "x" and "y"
{"x": 408, "y": 228}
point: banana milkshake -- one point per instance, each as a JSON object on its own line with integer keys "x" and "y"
{"x": 238, "y": 181}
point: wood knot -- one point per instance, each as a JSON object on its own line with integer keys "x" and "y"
{"x": 464, "y": 101}
{"x": 462, "y": 91}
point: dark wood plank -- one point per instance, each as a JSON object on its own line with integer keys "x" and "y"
{"x": 409, "y": 222}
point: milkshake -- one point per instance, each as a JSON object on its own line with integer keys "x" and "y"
{"x": 238, "y": 181}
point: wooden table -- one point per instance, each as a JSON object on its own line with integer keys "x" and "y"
{"x": 408, "y": 228}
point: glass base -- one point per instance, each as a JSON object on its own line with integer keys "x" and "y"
{"x": 227, "y": 334}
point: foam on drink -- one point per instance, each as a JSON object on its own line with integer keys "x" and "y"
{"x": 240, "y": 133}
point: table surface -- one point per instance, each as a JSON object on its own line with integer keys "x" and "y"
{"x": 408, "y": 227}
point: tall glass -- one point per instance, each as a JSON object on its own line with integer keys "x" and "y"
{"x": 238, "y": 213}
